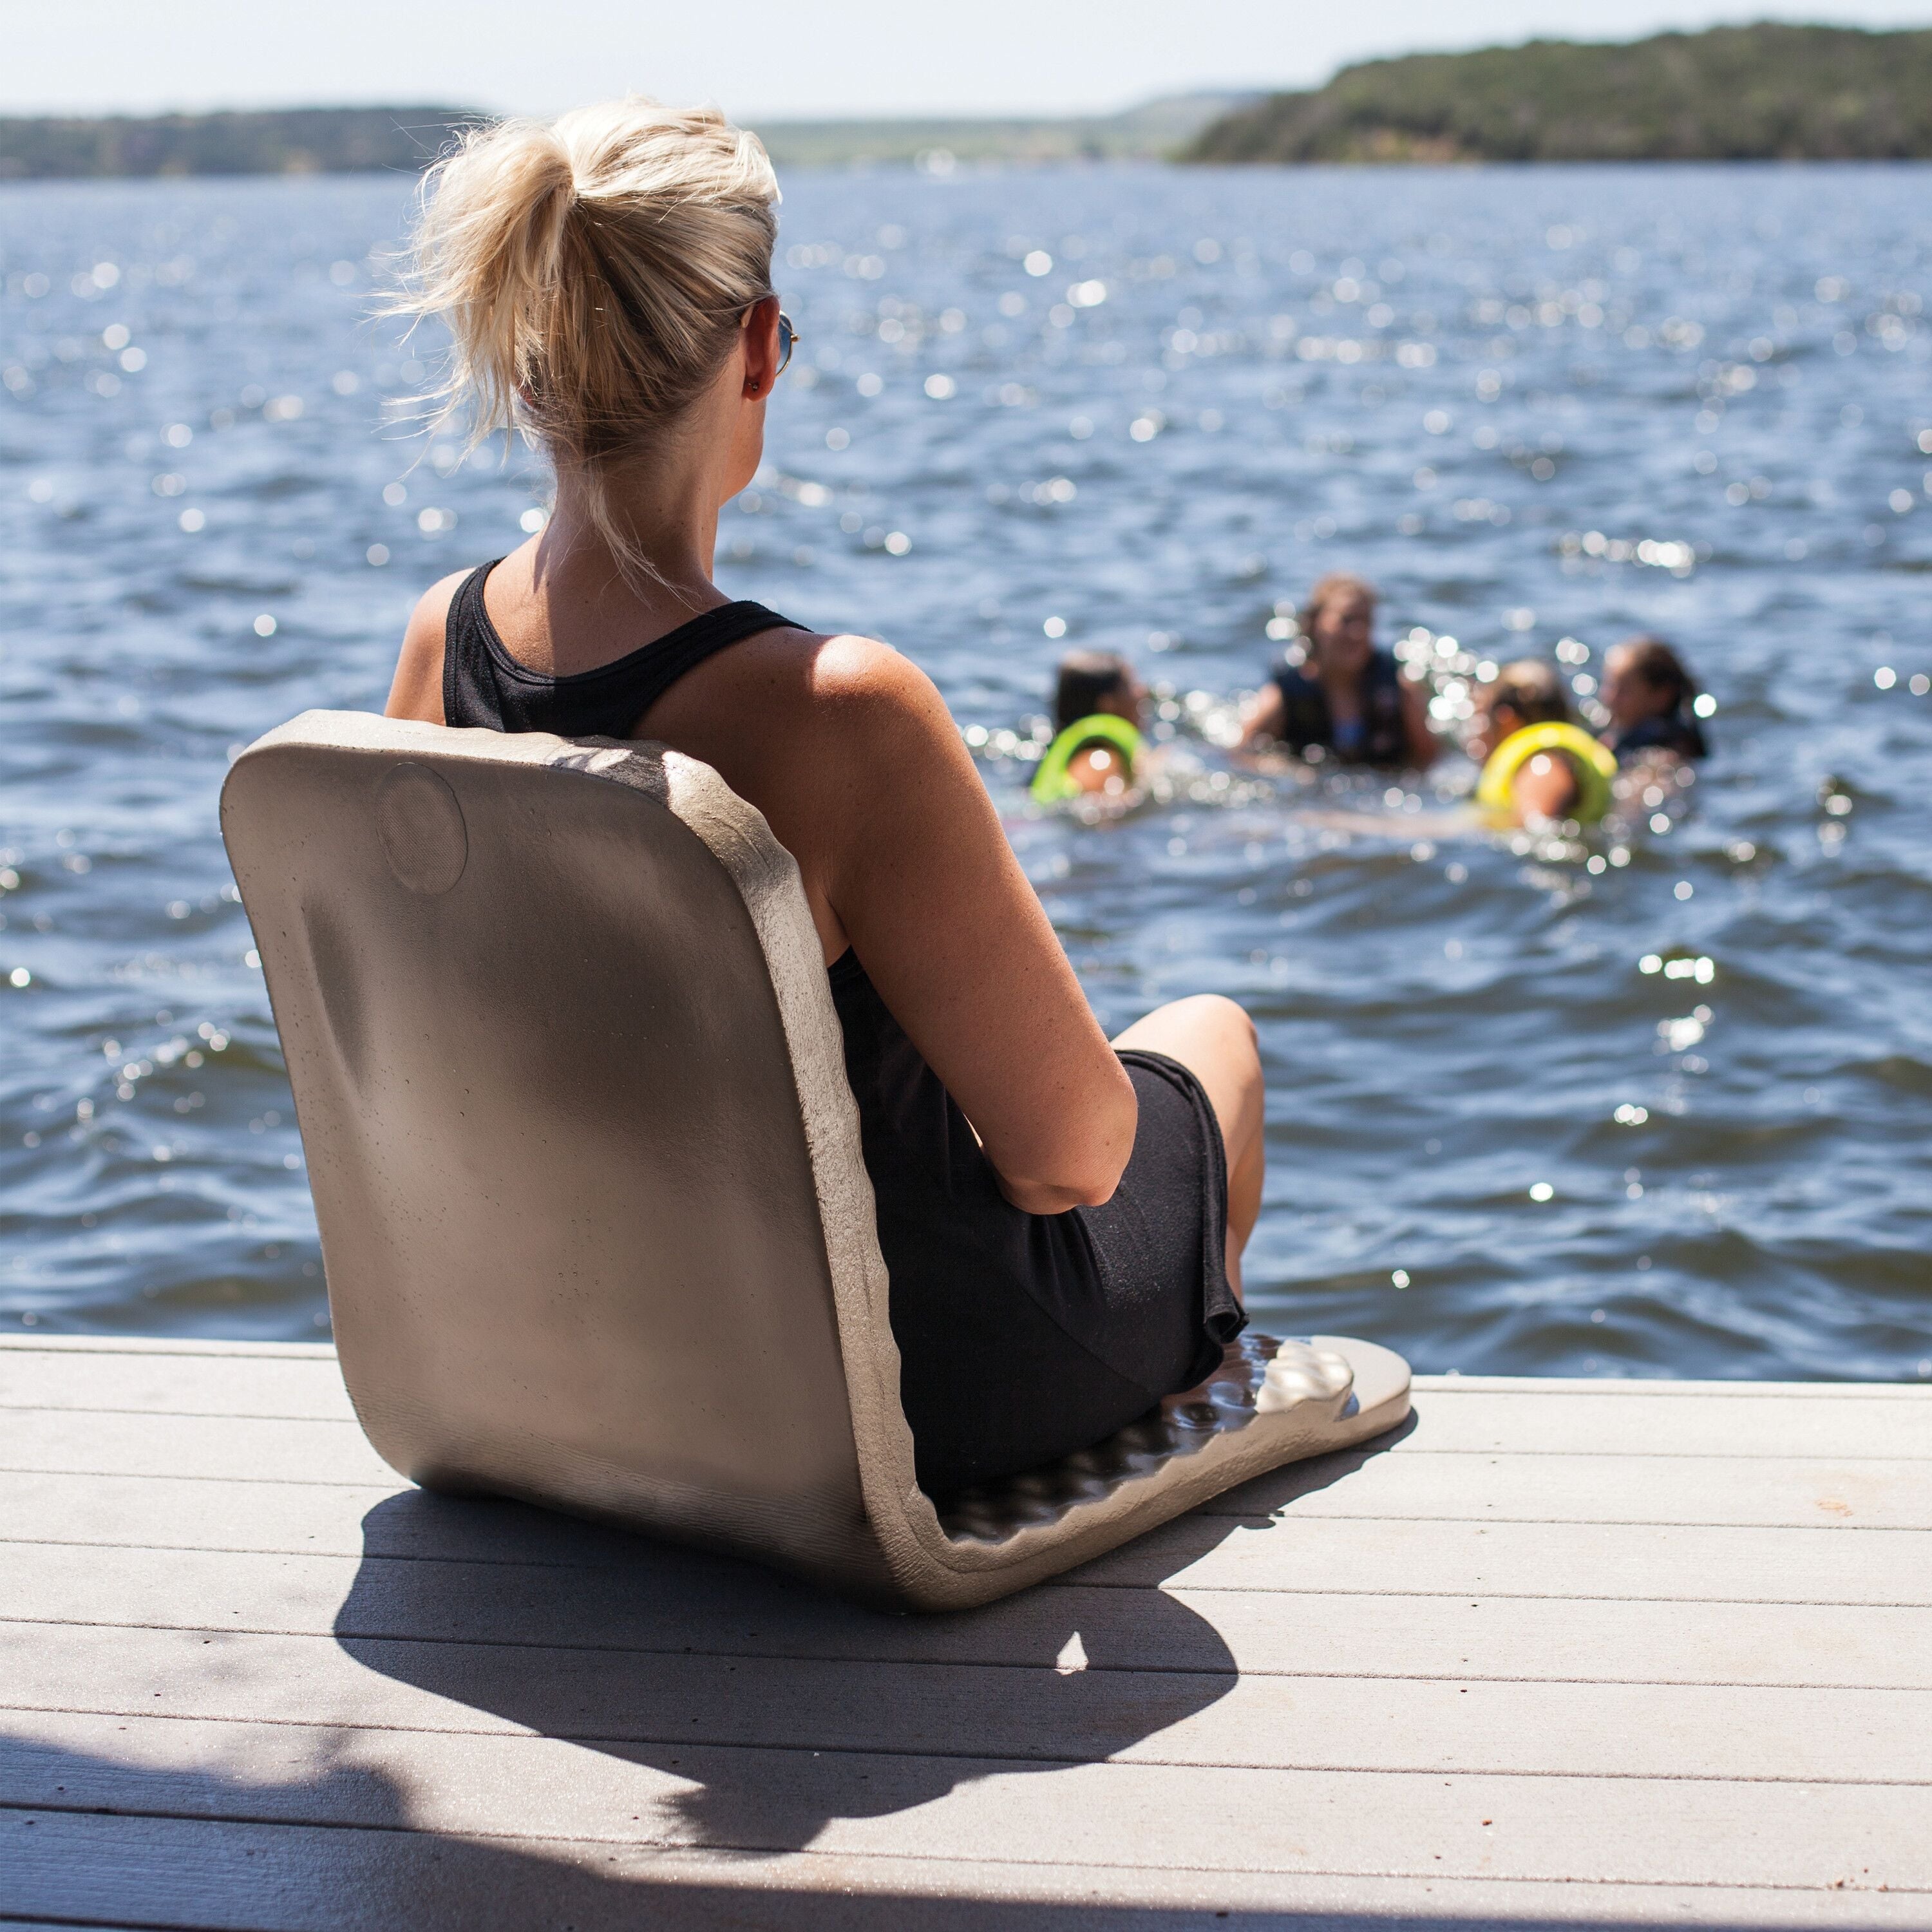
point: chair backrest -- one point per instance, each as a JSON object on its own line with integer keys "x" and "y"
{"x": 573, "y": 1172}
{"x": 594, "y": 1212}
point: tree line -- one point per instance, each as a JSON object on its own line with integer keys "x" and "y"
{"x": 1763, "y": 93}
{"x": 296, "y": 140}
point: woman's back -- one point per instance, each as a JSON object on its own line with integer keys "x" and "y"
{"x": 849, "y": 752}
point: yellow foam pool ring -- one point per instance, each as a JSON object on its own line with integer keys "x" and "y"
{"x": 1053, "y": 783}
{"x": 1595, "y": 767}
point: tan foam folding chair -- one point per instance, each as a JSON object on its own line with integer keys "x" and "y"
{"x": 597, "y": 1228}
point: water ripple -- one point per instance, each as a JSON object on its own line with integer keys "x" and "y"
{"x": 1649, "y": 1103}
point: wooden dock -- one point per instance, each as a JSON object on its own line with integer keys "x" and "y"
{"x": 1613, "y": 1654}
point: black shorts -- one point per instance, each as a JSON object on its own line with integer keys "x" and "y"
{"x": 1023, "y": 1337}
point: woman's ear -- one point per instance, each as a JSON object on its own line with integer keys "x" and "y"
{"x": 760, "y": 338}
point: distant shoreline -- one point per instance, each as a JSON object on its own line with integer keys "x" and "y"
{"x": 918, "y": 166}
{"x": 1768, "y": 93}
{"x": 405, "y": 139}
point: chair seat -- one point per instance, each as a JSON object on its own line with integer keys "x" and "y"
{"x": 1267, "y": 1401}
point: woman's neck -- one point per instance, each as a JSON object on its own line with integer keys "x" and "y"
{"x": 667, "y": 523}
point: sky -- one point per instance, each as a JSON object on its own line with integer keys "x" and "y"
{"x": 772, "y": 58}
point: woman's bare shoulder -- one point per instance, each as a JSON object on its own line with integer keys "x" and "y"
{"x": 831, "y": 718}
{"x": 847, "y": 667}
{"x": 839, "y": 676}
{"x": 417, "y": 689}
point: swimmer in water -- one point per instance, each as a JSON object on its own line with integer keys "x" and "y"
{"x": 1342, "y": 698}
{"x": 1099, "y": 708}
{"x": 1539, "y": 765}
{"x": 1651, "y": 699}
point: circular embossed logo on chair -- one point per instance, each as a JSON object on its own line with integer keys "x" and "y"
{"x": 424, "y": 837}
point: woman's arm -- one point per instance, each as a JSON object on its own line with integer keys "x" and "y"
{"x": 850, "y": 754}
{"x": 416, "y": 690}
{"x": 898, "y": 832}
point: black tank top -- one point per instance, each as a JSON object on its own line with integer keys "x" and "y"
{"x": 983, "y": 1296}
{"x": 483, "y": 685}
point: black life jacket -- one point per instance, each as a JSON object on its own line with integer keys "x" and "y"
{"x": 1306, "y": 722}
{"x": 1669, "y": 731}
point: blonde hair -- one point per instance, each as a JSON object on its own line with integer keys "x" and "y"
{"x": 593, "y": 273}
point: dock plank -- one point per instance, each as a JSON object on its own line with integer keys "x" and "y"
{"x": 1552, "y": 1728}
{"x": 250, "y": 1877}
{"x": 651, "y": 1602}
{"x": 1463, "y": 1413}
{"x": 1126, "y": 1816}
{"x": 1882, "y": 1492}
{"x": 1563, "y": 1653}
{"x": 293, "y": 1382}
{"x": 1291, "y": 1554}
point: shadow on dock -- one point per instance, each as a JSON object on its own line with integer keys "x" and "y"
{"x": 731, "y": 1688}
{"x": 737, "y": 1684}
{"x": 97, "y": 1840}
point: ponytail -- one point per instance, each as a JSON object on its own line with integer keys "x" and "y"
{"x": 488, "y": 262}
{"x": 592, "y": 273}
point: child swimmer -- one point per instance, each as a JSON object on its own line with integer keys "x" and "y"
{"x": 1099, "y": 710}
{"x": 1653, "y": 704}
{"x": 1539, "y": 765}
{"x": 1342, "y": 697}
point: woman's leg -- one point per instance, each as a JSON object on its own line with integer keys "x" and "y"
{"x": 1214, "y": 1039}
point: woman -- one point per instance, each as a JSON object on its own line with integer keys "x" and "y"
{"x": 1539, "y": 765}
{"x": 1651, "y": 699}
{"x": 1062, "y": 1223}
{"x": 1344, "y": 699}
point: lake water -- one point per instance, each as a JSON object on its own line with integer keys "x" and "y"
{"x": 1139, "y": 409}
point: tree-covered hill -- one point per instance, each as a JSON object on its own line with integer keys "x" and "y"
{"x": 295, "y": 140}
{"x": 1762, "y": 93}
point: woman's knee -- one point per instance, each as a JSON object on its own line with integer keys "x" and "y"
{"x": 1235, "y": 1018}
{"x": 1214, "y": 1038}
{"x": 1204, "y": 1022}
{"x": 1213, "y": 1017}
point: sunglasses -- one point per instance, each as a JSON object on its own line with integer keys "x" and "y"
{"x": 788, "y": 340}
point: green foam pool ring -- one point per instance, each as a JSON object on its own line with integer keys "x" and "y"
{"x": 1052, "y": 784}
{"x": 1595, "y": 767}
